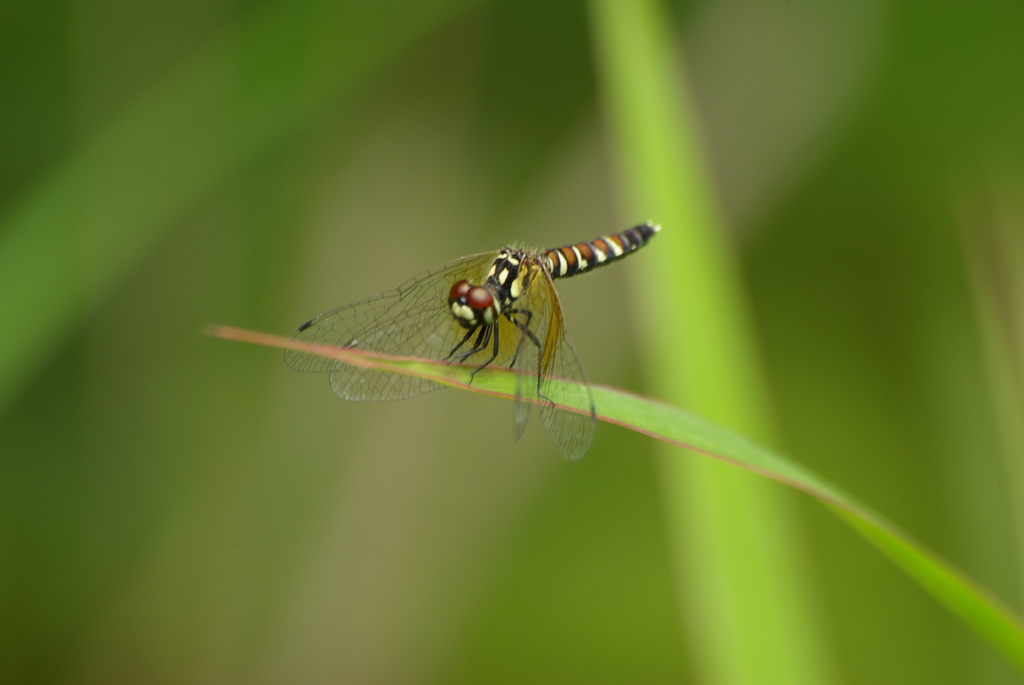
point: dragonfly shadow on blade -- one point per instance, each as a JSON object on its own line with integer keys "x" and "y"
{"x": 495, "y": 310}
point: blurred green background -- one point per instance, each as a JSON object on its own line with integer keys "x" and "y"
{"x": 175, "y": 508}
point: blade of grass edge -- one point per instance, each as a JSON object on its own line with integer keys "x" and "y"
{"x": 966, "y": 598}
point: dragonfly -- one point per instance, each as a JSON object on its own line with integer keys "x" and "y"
{"x": 495, "y": 309}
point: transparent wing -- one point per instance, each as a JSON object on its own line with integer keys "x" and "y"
{"x": 411, "y": 320}
{"x": 546, "y": 360}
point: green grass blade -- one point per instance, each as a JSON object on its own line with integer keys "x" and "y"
{"x": 742, "y": 585}
{"x": 968, "y": 600}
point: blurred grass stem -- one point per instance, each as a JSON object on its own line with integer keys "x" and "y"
{"x": 743, "y": 596}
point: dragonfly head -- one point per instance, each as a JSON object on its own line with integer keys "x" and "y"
{"x": 472, "y": 305}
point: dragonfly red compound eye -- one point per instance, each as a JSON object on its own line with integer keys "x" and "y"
{"x": 511, "y": 320}
{"x": 458, "y": 290}
{"x": 479, "y": 298}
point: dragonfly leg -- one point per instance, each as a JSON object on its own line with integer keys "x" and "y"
{"x": 479, "y": 346}
{"x": 462, "y": 342}
{"x": 485, "y": 337}
{"x": 524, "y": 326}
{"x": 494, "y": 352}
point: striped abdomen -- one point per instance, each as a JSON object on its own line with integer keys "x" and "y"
{"x": 575, "y": 259}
